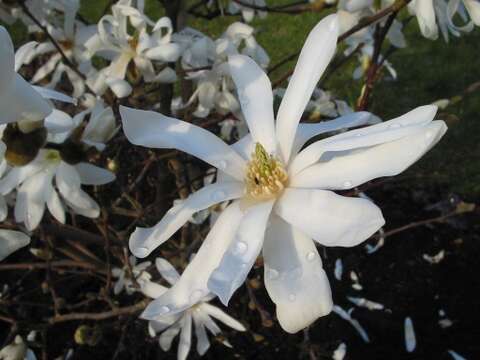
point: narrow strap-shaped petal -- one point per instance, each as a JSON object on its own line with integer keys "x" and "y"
{"x": 294, "y": 277}
{"x": 192, "y": 285}
{"x": 369, "y": 136}
{"x": 307, "y": 131}
{"x": 317, "y": 52}
{"x": 222, "y": 316}
{"x": 93, "y": 175}
{"x": 202, "y": 338}
{"x": 241, "y": 253}
{"x": 151, "y": 129}
{"x": 166, "y": 338}
{"x": 348, "y": 170}
{"x": 167, "y": 270}
{"x": 256, "y": 99}
{"x": 144, "y": 240}
{"x": 185, "y": 341}
{"x": 328, "y": 218}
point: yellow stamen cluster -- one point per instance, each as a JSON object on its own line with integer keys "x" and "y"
{"x": 266, "y": 177}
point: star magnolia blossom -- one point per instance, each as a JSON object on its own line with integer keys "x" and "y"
{"x": 201, "y": 312}
{"x": 121, "y": 48}
{"x": 431, "y": 12}
{"x": 18, "y": 99}
{"x": 282, "y": 195}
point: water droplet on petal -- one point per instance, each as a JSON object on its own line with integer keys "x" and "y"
{"x": 196, "y": 296}
{"x": 292, "y": 297}
{"x": 347, "y": 184}
{"x": 164, "y": 309}
{"x": 141, "y": 252}
{"x": 240, "y": 248}
{"x": 311, "y": 256}
{"x": 272, "y": 274}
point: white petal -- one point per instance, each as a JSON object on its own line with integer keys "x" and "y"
{"x": 151, "y": 129}
{"x": 54, "y": 205}
{"x": 22, "y": 102}
{"x": 7, "y": 62}
{"x": 93, "y": 175}
{"x": 54, "y": 95}
{"x": 167, "y": 271}
{"x": 192, "y": 285}
{"x": 3, "y": 208}
{"x": 306, "y": 131}
{"x": 220, "y": 315}
{"x": 425, "y": 12}
{"x": 294, "y": 277}
{"x": 314, "y": 58}
{"x": 241, "y": 253}
{"x": 167, "y": 337}
{"x": 11, "y": 241}
{"x": 410, "y": 340}
{"x": 144, "y": 240}
{"x": 202, "y": 338}
{"x": 473, "y": 8}
{"x": 185, "y": 341}
{"x": 352, "y": 168}
{"x": 255, "y": 94}
{"x": 24, "y": 52}
{"x": 58, "y": 122}
{"x": 372, "y": 135}
{"x": 119, "y": 87}
{"x": 330, "y": 219}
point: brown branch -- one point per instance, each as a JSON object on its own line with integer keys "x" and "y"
{"x": 128, "y": 310}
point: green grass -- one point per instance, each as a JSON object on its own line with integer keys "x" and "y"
{"x": 428, "y": 71}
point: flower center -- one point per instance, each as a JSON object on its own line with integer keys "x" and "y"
{"x": 266, "y": 177}
{"x": 53, "y": 156}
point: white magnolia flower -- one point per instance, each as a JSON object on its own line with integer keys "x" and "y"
{"x": 200, "y": 312}
{"x": 35, "y": 187}
{"x": 123, "y": 276}
{"x": 121, "y": 48}
{"x": 432, "y": 14}
{"x": 283, "y": 195}
{"x": 18, "y": 99}
{"x": 248, "y": 12}
{"x": 71, "y": 37}
{"x": 205, "y": 62}
{"x": 17, "y": 350}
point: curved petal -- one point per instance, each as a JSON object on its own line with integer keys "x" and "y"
{"x": 203, "y": 343}
{"x": 167, "y": 271}
{"x": 330, "y": 219}
{"x": 93, "y": 175}
{"x": 294, "y": 277}
{"x": 185, "y": 341}
{"x": 144, "y": 240}
{"x": 425, "y": 12}
{"x": 369, "y": 136}
{"x": 314, "y": 58}
{"x": 307, "y": 131}
{"x": 7, "y": 62}
{"x": 220, "y": 315}
{"x": 255, "y": 94}
{"x": 22, "y": 102}
{"x": 350, "y": 169}
{"x": 30, "y": 202}
{"x": 11, "y": 241}
{"x": 241, "y": 253}
{"x": 192, "y": 285}
{"x": 58, "y": 122}
{"x": 165, "y": 340}
{"x": 151, "y": 129}
{"x": 54, "y": 205}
